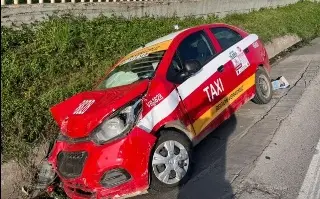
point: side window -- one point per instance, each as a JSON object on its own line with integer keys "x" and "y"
{"x": 174, "y": 69}
{"x": 196, "y": 46}
{"x": 226, "y": 37}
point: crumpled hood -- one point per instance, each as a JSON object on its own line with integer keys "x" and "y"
{"x": 80, "y": 114}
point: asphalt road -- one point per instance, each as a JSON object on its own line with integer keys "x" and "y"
{"x": 264, "y": 151}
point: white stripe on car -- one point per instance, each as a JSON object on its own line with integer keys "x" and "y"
{"x": 170, "y": 103}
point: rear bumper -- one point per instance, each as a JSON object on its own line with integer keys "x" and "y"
{"x": 130, "y": 153}
{"x": 266, "y": 63}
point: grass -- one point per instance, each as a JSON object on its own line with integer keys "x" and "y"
{"x": 47, "y": 62}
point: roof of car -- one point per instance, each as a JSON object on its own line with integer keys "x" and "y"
{"x": 159, "y": 44}
{"x": 170, "y": 36}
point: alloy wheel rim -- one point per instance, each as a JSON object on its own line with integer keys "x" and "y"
{"x": 170, "y": 162}
{"x": 264, "y": 86}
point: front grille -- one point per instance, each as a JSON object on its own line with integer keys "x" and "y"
{"x": 70, "y": 164}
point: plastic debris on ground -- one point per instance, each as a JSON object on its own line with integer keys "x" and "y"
{"x": 280, "y": 83}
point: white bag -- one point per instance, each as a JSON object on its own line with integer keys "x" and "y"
{"x": 280, "y": 83}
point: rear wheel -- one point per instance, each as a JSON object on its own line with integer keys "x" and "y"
{"x": 171, "y": 158}
{"x": 263, "y": 87}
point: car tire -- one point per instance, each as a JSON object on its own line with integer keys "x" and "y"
{"x": 263, "y": 87}
{"x": 164, "y": 159}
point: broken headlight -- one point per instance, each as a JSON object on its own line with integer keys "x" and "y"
{"x": 118, "y": 125}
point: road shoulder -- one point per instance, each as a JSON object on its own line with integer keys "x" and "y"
{"x": 280, "y": 170}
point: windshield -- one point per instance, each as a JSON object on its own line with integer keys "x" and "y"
{"x": 132, "y": 70}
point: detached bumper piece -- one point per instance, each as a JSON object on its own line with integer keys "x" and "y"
{"x": 46, "y": 176}
{"x": 115, "y": 177}
{"x": 70, "y": 164}
{"x": 44, "y": 182}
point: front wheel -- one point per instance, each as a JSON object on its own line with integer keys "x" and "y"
{"x": 171, "y": 160}
{"x": 263, "y": 87}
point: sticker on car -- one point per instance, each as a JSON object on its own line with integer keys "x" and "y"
{"x": 137, "y": 54}
{"x": 83, "y": 107}
{"x": 239, "y": 60}
{"x": 156, "y": 99}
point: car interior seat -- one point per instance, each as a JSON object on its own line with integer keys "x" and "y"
{"x": 203, "y": 52}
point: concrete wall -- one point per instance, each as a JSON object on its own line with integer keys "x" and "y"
{"x": 18, "y": 14}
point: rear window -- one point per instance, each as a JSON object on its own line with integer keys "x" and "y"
{"x": 226, "y": 37}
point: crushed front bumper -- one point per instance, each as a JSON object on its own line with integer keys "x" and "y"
{"x": 82, "y": 166}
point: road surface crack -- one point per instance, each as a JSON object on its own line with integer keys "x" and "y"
{"x": 241, "y": 189}
{"x": 267, "y": 113}
{"x": 254, "y": 187}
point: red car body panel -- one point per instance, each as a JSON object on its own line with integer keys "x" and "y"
{"x": 163, "y": 104}
{"x": 131, "y": 153}
{"x": 106, "y": 102}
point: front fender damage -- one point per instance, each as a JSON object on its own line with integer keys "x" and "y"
{"x": 131, "y": 153}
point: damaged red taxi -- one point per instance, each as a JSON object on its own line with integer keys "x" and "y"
{"x": 137, "y": 128}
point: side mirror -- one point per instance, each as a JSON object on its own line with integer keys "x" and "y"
{"x": 191, "y": 67}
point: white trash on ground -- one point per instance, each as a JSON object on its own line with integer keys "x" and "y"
{"x": 280, "y": 83}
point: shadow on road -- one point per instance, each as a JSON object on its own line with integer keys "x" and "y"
{"x": 208, "y": 179}
{"x": 209, "y": 168}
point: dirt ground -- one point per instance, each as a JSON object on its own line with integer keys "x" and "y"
{"x": 15, "y": 175}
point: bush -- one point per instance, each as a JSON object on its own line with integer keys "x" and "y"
{"x": 45, "y": 63}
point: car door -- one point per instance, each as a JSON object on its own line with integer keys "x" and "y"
{"x": 242, "y": 64}
{"x": 201, "y": 92}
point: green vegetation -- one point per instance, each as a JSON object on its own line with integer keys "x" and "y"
{"x": 47, "y": 62}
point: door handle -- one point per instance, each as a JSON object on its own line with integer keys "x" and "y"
{"x": 221, "y": 68}
{"x": 246, "y": 50}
